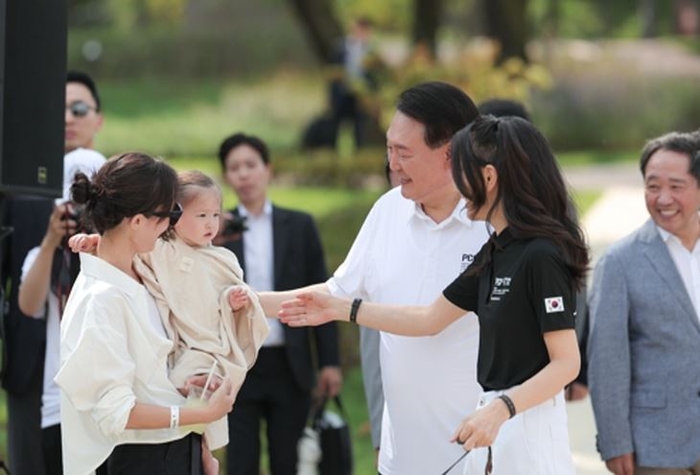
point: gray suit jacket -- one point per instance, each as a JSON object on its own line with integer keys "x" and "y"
{"x": 644, "y": 355}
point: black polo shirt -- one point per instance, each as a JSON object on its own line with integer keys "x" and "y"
{"x": 525, "y": 291}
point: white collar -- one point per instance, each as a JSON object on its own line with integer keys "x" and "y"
{"x": 244, "y": 212}
{"x": 459, "y": 214}
{"x": 103, "y": 270}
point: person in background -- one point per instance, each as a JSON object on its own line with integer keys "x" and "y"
{"x": 353, "y": 80}
{"x": 644, "y": 364}
{"x": 25, "y": 339}
{"x": 577, "y": 390}
{"x": 278, "y": 249}
{"x": 117, "y": 402}
{"x": 415, "y": 240}
{"x": 521, "y": 285}
{"x": 48, "y": 273}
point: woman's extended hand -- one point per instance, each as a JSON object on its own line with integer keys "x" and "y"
{"x": 480, "y": 428}
{"x": 313, "y": 308}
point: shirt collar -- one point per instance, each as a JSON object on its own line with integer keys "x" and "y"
{"x": 103, "y": 270}
{"x": 267, "y": 209}
{"x": 459, "y": 214}
{"x": 669, "y": 238}
{"x": 665, "y": 235}
{"x": 506, "y": 237}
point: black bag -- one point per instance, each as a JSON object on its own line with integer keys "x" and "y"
{"x": 334, "y": 435}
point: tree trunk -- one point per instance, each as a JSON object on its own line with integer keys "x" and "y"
{"x": 321, "y": 26}
{"x": 506, "y": 22}
{"x": 426, "y": 20}
{"x": 553, "y": 17}
{"x": 648, "y": 13}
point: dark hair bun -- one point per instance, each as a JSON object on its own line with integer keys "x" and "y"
{"x": 81, "y": 189}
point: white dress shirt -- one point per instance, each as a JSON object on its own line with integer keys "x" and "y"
{"x": 258, "y": 249}
{"x": 688, "y": 265}
{"x": 112, "y": 355}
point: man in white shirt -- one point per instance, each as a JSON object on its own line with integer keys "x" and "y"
{"x": 644, "y": 304}
{"x": 32, "y": 343}
{"x": 415, "y": 241}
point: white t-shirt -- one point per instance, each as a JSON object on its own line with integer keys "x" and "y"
{"x": 401, "y": 256}
{"x": 79, "y": 160}
{"x": 50, "y": 397}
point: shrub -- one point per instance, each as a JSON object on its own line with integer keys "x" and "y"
{"x": 614, "y": 112}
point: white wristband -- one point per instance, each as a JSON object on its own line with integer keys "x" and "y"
{"x": 174, "y": 416}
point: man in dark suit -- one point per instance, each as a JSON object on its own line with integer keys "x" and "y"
{"x": 278, "y": 249}
{"x": 644, "y": 363}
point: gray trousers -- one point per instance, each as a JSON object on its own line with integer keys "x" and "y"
{"x": 694, "y": 470}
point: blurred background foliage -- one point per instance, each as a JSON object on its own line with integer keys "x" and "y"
{"x": 600, "y": 74}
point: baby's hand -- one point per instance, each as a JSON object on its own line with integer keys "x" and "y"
{"x": 84, "y": 242}
{"x": 238, "y": 298}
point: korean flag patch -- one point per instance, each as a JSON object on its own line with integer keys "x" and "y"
{"x": 554, "y": 304}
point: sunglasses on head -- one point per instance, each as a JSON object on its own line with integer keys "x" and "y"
{"x": 79, "y": 108}
{"x": 173, "y": 215}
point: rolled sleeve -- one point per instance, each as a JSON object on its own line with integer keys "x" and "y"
{"x": 107, "y": 395}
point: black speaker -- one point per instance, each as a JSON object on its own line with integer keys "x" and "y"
{"x": 32, "y": 95}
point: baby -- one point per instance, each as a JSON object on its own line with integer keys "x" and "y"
{"x": 214, "y": 318}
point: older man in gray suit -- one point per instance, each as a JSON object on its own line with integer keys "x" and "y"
{"x": 644, "y": 348}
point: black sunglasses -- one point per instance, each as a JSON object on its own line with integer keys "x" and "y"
{"x": 79, "y": 108}
{"x": 173, "y": 215}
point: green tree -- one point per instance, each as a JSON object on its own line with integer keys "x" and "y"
{"x": 426, "y": 21}
{"x": 507, "y": 23}
{"x": 321, "y": 25}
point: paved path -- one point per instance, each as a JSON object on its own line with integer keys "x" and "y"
{"x": 618, "y": 212}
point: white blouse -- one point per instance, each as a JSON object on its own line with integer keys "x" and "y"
{"x": 111, "y": 356}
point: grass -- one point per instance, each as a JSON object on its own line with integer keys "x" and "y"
{"x": 191, "y": 118}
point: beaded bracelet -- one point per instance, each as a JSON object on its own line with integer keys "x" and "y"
{"x": 353, "y": 310}
{"x": 174, "y": 416}
{"x": 509, "y": 404}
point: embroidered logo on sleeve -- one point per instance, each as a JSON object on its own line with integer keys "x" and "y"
{"x": 554, "y": 304}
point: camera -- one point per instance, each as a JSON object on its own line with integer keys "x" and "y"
{"x": 73, "y": 211}
{"x": 76, "y": 212}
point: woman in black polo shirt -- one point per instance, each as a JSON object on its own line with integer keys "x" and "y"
{"x": 522, "y": 286}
